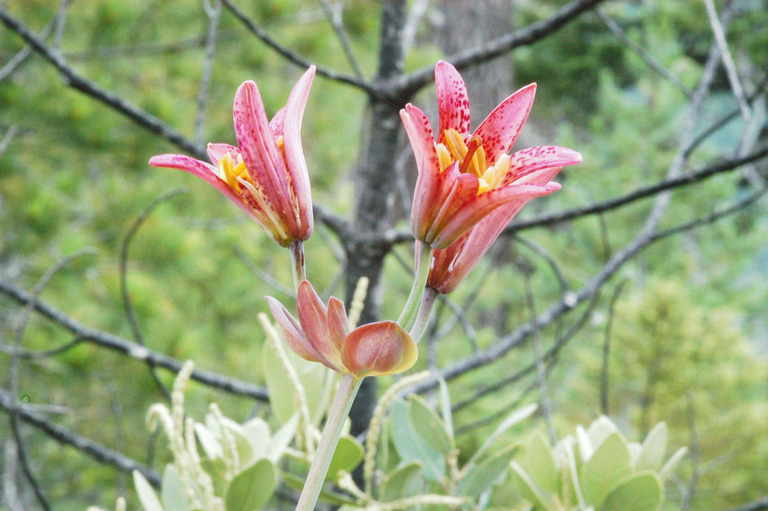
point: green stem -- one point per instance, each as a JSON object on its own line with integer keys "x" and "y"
{"x": 348, "y": 387}
{"x": 298, "y": 268}
{"x": 425, "y": 312}
{"x": 423, "y": 261}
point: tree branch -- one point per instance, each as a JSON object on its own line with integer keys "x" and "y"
{"x": 85, "y": 445}
{"x": 406, "y": 86}
{"x": 131, "y": 349}
{"x": 78, "y": 82}
{"x": 297, "y": 59}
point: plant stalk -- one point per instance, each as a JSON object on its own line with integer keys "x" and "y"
{"x": 425, "y": 312}
{"x": 348, "y": 387}
{"x": 423, "y": 262}
{"x": 298, "y": 268}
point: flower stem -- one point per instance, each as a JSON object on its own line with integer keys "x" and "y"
{"x": 297, "y": 255}
{"x": 423, "y": 261}
{"x": 425, "y": 312}
{"x": 345, "y": 395}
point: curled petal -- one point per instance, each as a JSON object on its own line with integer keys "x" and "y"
{"x": 202, "y": 170}
{"x": 533, "y": 159}
{"x": 500, "y": 130}
{"x": 337, "y": 321}
{"x": 379, "y": 348}
{"x": 452, "y": 99}
{"x": 314, "y": 322}
{"x": 262, "y": 157}
{"x": 293, "y": 334}
{"x": 419, "y": 131}
{"x": 471, "y": 213}
{"x": 462, "y": 191}
{"x": 277, "y": 122}
{"x": 292, "y": 117}
{"x": 218, "y": 151}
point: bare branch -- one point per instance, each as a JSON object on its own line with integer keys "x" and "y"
{"x": 334, "y": 13}
{"x": 131, "y": 349}
{"x": 406, "y": 86}
{"x": 758, "y": 505}
{"x": 295, "y": 58}
{"x": 123, "y": 267}
{"x": 616, "y": 29}
{"x": 89, "y": 88}
{"x": 62, "y": 435}
{"x": 212, "y": 9}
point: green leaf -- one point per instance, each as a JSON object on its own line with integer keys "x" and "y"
{"x": 211, "y": 446}
{"x": 297, "y": 483}
{"x": 539, "y": 463}
{"x": 599, "y": 430}
{"x": 147, "y": 495}
{"x": 404, "y": 481}
{"x": 245, "y": 452}
{"x": 429, "y": 427}
{"x": 257, "y": 433}
{"x": 513, "y": 418}
{"x": 609, "y": 464}
{"x": 349, "y": 453}
{"x": 672, "y": 462}
{"x": 445, "y": 406}
{"x": 281, "y": 393}
{"x": 481, "y": 477}
{"x": 410, "y": 446}
{"x": 282, "y": 439}
{"x": 640, "y": 492}
{"x": 253, "y": 488}
{"x": 654, "y": 448}
{"x": 173, "y": 493}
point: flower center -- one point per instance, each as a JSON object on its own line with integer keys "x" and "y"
{"x": 472, "y": 159}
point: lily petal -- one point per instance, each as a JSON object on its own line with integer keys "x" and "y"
{"x": 452, "y": 99}
{"x": 338, "y": 324}
{"x": 293, "y": 334}
{"x": 471, "y": 213}
{"x": 379, "y": 348}
{"x": 262, "y": 157}
{"x": 462, "y": 191}
{"x": 294, "y": 153}
{"x": 218, "y": 151}
{"x": 533, "y": 159}
{"x": 419, "y": 131}
{"x": 277, "y": 122}
{"x": 200, "y": 169}
{"x": 313, "y": 318}
{"x": 500, "y": 130}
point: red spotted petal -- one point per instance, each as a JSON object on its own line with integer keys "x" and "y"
{"x": 452, "y": 99}
{"x": 262, "y": 157}
{"x": 379, "y": 348}
{"x": 474, "y": 211}
{"x": 534, "y": 159}
{"x": 294, "y": 152}
{"x": 502, "y": 127}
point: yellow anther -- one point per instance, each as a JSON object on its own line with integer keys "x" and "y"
{"x": 280, "y": 142}
{"x": 494, "y": 176}
{"x": 455, "y": 144}
{"x": 444, "y": 157}
{"x": 232, "y": 171}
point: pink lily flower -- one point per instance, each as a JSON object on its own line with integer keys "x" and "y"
{"x": 465, "y": 177}
{"x": 322, "y": 334}
{"x": 266, "y": 174}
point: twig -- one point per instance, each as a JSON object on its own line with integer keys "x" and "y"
{"x": 130, "y": 314}
{"x": 54, "y": 27}
{"x": 757, "y": 505}
{"x": 13, "y": 377}
{"x": 651, "y": 62}
{"x": 85, "y": 445}
{"x": 730, "y": 66}
{"x": 212, "y": 9}
{"x": 407, "y": 85}
{"x": 604, "y": 380}
{"x": 131, "y": 349}
{"x": 295, "y": 58}
{"x": 335, "y": 17}
{"x": 89, "y": 88}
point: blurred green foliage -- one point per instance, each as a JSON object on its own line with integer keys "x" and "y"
{"x": 75, "y": 176}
